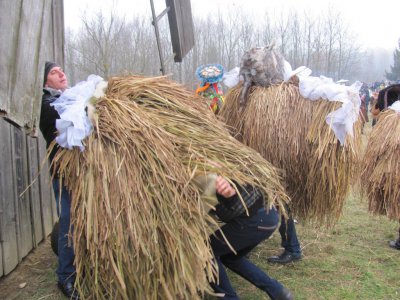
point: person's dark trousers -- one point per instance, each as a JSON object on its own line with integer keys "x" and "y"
{"x": 243, "y": 235}
{"x": 65, "y": 270}
{"x": 288, "y": 233}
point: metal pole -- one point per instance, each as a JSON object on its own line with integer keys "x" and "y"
{"x": 155, "y": 24}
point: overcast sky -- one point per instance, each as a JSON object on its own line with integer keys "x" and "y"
{"x": 377, "y": 23}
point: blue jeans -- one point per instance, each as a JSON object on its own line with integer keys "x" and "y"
{"x": 289, "y": 236}
{"x": 65, "y": 270}
{"x": 243, "y": 234}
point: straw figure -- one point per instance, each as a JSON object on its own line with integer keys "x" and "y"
{"x": 380, "y": 178}
{"x": 140, "y": 224}
{"x": 290, "y": 131}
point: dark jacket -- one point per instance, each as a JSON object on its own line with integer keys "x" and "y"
{"x": 229, "y": 208}
{"x": 48, "y": 117}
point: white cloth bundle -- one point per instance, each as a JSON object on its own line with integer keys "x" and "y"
{"x": 342, "y": 120}
{"x": 395, "y": 106}
{"x": 231, "y": 78}
{"x": 74, "y": 124}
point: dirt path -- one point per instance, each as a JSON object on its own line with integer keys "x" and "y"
{"x": 34, "y": 278}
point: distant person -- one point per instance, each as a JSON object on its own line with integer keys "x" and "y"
{"x": 386, "y": 98}
{"x": 244, "y": 232}
{"x": 55, "y": 82}
{"x": 373, "y": 100}
{"x": 210, "y": 87}
{"x": 364, "y": 96}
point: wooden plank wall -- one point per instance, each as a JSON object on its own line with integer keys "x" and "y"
{"x": 32, "y": 32}
{"x": 27, "y": 215}
{"x": 8, "y": 221}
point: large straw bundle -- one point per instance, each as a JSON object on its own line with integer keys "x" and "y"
{"x": 380, "y": 178}
{"x": 140, "y": 229}
{"x": 290, "y": 132}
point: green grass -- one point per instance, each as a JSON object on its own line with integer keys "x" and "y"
{"x": 350, "y": 261}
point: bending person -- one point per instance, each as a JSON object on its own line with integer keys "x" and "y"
{"x": 244, "y": 232}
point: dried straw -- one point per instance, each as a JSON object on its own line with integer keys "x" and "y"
{"x": 140, "y": 227}
{"x": 290, "y": 132}
{"x": 380, "y": 178}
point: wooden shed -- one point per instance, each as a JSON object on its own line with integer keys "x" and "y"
{"x": 31, "y": 32}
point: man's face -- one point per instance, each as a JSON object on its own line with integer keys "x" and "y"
{"x": 57, "y": 79}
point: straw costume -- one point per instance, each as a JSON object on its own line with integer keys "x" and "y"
{"x": 380, "y": 177}
{"x": 141, "y": 227}
{"x": 381, "y": 173}
{"x": 268, "y": 113}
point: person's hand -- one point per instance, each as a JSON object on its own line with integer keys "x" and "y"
{"x": 224, "y": 188}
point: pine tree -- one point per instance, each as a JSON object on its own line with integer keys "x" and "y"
{"x": 394, "y": 74}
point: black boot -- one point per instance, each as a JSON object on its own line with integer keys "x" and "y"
{"x": 285, "y": 294}
{"x": 69, "y": 290}
{"x": 395, "y": 244}
{"x": 285, "y": 258}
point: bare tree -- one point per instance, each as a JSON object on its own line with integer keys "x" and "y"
{"x": 108, "y": 45}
